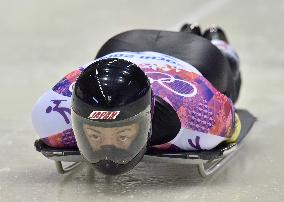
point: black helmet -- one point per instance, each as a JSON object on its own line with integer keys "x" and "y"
{"x": 111, "y": 114}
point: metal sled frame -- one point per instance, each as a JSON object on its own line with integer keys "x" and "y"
{"x": 208, "y": 161}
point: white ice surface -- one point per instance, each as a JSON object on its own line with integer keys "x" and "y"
{"x": 40, "y": 41}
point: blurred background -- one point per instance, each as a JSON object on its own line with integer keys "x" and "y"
{"x": 41, "y": 41}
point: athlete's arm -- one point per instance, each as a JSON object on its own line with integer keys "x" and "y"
{"x": 51, "y": 114}
{"x": 207, "y": 119}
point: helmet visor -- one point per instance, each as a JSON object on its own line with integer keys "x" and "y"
{"x": 118, "y": 141}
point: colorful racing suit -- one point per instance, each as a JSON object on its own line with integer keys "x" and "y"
{"x": 207, "y": 116}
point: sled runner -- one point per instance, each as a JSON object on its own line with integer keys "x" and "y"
{"x": 208, "y": 161}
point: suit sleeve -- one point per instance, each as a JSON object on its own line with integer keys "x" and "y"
{"x": 51, "y": 114}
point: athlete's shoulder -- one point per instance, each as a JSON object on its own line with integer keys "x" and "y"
{"x": 66, "y": 84}
{"x": 51, "y": 112}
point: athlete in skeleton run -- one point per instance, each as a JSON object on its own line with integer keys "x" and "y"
{"x": 146, "y": 89}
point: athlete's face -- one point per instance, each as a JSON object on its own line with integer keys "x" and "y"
{"x": 120, "y": 137}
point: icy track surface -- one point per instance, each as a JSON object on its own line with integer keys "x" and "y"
{"x": 43, "y": 40}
